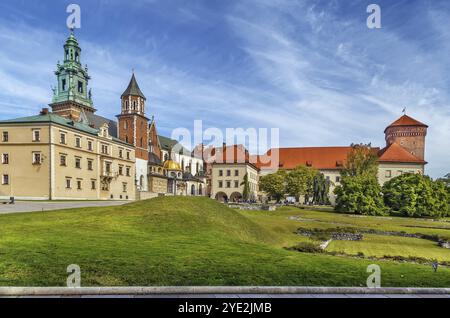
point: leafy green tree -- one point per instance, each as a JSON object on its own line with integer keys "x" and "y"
{"x": 300, "y": 181}
{"x": 274, "y": 184}
{"x": 415, "y": 195}
{"x": 246, "y": 191}
{"x": 362, "y": 159}
{"x": 359, "y": 191}
{"x": 359, "y": 194}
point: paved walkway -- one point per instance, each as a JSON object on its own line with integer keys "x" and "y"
{"x": 239, "y": 296}
{"x": 37, "y": 206}
{"x": 224, "y": 292}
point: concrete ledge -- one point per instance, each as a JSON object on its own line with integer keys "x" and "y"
{"x": 64, "y": 291}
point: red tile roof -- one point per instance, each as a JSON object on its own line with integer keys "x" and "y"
{"x": 396, "y": 153}
{"x": 316, "y": 157}
{"x": 405, "y": 120}
{"x": 226, "y": 154}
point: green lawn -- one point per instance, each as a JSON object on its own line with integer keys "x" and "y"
{"x": 184, "y": 241}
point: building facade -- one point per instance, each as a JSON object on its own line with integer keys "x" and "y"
{"x": 49, "y": 157}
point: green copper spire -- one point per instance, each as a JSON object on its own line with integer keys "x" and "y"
{"x": 72, "y": 77}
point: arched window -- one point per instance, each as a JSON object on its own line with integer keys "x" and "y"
{"x": 77, "y": 57}
{"x": 192, "y": 190}
{"x": 142, "y": 144}
{"x": 200, "y": 190}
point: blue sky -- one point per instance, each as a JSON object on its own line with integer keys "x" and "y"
{"x": 311, "y": 68}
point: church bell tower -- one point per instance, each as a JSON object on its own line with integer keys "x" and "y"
{"x": 133, "y": 128}
{"x": 71, "y": 95}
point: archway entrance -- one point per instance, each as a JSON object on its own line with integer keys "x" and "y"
{"x": 235, "y": 197}
{"x": 221, "y": 196}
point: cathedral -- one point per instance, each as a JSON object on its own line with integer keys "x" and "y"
{"x": 114, "y": 150}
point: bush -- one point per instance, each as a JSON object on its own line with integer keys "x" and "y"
{"x": 360, "y": 195}
{"x": 415, "y": 195}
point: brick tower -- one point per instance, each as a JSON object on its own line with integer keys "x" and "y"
{"x": 133, "y": 129}
{"x": 408, "y": 133}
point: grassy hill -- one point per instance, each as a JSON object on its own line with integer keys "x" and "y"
{"x": 177, "y": 241}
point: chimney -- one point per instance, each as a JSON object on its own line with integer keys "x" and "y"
{"x": 44, "y": 111}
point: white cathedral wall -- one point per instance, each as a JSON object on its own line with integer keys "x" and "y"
{"x": 141, "y": 170}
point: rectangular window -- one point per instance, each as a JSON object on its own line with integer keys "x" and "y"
{"x": 63, "y": 84}
{"x": 68, "y": 183}
{"x": 5, "y": 158}
{"x": 120, "y": 153}
{"x": 220, "y": 184}
{"x": 124, "y": 187}
{"x": 62, "y": 138}
{"x": 37, "y": 159}
{"x": 104, "y": 149}
{"x": 128, "y": 171}
{"x": 93, "y": 184}
{"x": 36, "y": 135}
{"x": 220, "y": 173}
{"x": 63, "y": 160}
{"x": 120, "y": 170}
{"x": 338, "y": 179}
{"x": 78, "y": 184}
{"x": 228, "y": 173}
{"x": 90, "y": 148}
{"x": 78, "y": 142}
{"x": 77, "y": 162}
{"x": 5, "y": 136}
{"x": 108, "y": 167}
{"x": 236, "y": 184}
{"x": 5, "y": 179}
{"x": 327, "y": 178}
{"x": 228, "y": 184}
{"x": 90, "y": 165}
{"x": 236, "y": 173}
{"x": 80, "y": 87}
{"x": 128, "y": 155}
{"x": 388, "y": 173}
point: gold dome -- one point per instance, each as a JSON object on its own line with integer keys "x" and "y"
{"x": 171, "y": 165}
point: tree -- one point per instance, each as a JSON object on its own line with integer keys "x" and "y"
{"x": 359, "y": 191}
{"x": 359, "y": 194}
{"x": 362, "y": 159}
{"x": 300, "y": 181}
{"x": 246, "y": 191}
{"x": 415, "y": 195}
{"x": 274, "y": 184}
{"x": 321, "y": 188}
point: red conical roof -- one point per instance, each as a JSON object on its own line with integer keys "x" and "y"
{"x": 405, "y": 120}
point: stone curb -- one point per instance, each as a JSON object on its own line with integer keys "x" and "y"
{"x": 65, "y": 291}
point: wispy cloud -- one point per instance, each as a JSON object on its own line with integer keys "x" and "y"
{"x": 311, "y": 68}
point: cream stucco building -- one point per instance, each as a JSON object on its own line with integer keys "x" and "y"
{"x": 48, "y": 157}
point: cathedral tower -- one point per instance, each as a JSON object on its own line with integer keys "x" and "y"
{"x": 408, "y": 133}
{"x": 133, "y": 128}
{"x": 71, "y": 95}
